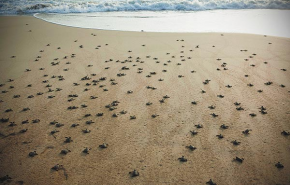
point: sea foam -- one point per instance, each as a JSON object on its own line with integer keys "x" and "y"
{"x": 88, "y": 6}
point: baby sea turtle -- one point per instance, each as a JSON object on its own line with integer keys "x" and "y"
{"x": 162, "y": 101}
{"x": 112, "y": 108}
{"x": 16, "y": 96}
{"x": 260, "y": 91}
{"x": 252, "y": 114}
{"x": 190, "y": 147}
{"x": 115, "y": 115}
{"x": 104, "y": 145}
{"x": 239, "y": 159}
{"x": 25, "y": 121}
{"x": 134, "y": 173}
{"x": 4, "y": 120}
{"x": 182, "y": 159}
{"x": 12, "y": 124}
{"x": 53, "y": 132}
{"x": 57, "y": 167}
{"x": 123, "y": 112}
{"x": 59, "y": 125}
{"x": 268, "y": 83}
{"x": 279, "y": 165}
{"x": 32, "y": 154}
{"x": 25, "y": 109}
{"x": 73, "y": 95}
{"x": 65, "y": 151}
{"x": 210, "y": 182}
{"x": 211, "y": 107}
{"x": 263, "y": 112}
{"x": 220, "y": 96}
{"x": 166, "y": 96}
{"x": 89, "y": 122}
{"x": 223, "y": 126}
{"x": 148, "y": 103}
{"x": 23, "y": 130}
{"x": 132, "y": 117}
{"x": 237, "y": 104}
{"x": 75, "y": 125}
{"x": 5, "y": 178}
{"x": 100, "y": 114}
{"x": 285, "y": 133}
{"x": 220, "y": 136}
{"x": 240, "y": 108}
{"x": 86, "y": 150}
{"x": 87, "y": 115}
{"x": 68, "y": 140}
{"x": 36, "y": 121}
{"x": 235, "y": 142}
{"x": 247, "y": 131}
{"x": 53, "y": 122}
{"x": 214, "y": 115}
{"x": 194, "y": 102}
{"x": 199, "y": 126}
{"x": 8, "y": 110}
{"x": 193, "y": 132}
{"x": 154, "y": 115}
{"x": 86, "y": 131}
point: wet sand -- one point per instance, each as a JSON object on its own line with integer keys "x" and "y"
{"x": 153, "y": 142}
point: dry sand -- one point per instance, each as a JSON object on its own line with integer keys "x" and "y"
{"x": 152, "y": 146}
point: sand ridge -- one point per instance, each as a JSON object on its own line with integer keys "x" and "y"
{"x": 192, "y": 81}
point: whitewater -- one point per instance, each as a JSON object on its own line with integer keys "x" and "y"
{"x": 89, "y": 6}
{"x": 264, "y": 17}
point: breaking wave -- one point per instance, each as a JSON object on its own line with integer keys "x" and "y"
{"x": 88, "y": 6}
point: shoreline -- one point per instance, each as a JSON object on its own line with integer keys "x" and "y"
{"x": 60, "y": 56}
{"x": 34, "y": 16}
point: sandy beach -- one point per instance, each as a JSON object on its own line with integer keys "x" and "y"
{"x": 150, "y": 97}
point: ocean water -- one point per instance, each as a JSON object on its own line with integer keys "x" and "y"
{"x": 88, "y": 6}
{"x": 264, "y": 22}
{"x": 266, "y": 17}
